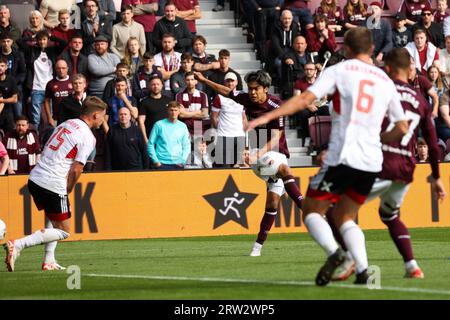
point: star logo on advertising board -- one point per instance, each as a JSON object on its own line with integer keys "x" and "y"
{"x": 230, "y": 204}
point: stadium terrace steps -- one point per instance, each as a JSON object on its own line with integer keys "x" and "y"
{"x": 220, "y": 32}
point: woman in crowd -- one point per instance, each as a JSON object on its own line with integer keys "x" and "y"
{"x": 133, "y": 56}
{"x": 355, "y": 14}
{"x": 36, "y": 21}
{"x": 333, "y": 12}
{"x": 436, "y": 80}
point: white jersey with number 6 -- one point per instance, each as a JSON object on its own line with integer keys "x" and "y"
{"x": 71, "y": 141}
{"x": 361, "y": 95}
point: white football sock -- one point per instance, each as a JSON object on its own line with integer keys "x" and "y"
{"x": 355, "y": 242}
{"x": 50, "y": 247}
{"x": 411, "y": 265}
{"x": 320, "y": 231}
{"x": 40, "y": 237}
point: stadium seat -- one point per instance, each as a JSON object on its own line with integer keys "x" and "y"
{"x": 319, "y": 130}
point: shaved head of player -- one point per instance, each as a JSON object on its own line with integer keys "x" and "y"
{"x": 54, "y": 177}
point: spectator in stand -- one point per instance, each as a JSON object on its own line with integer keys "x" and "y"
{"x": 106, "y": 8}
{"x": 76, "y": 61}
{"x": 122, "y": 70}
{"x": 433, "y": 29}
{"x": 441, "y": 12}
{"x": 267, "y": 15}
{"x": 195, "y": 105}
{"x": 424, "y": 87}
{"x": 70, "y": 107}
{"x": 301, "y": 12}
{"x": 93, "y": 26}
{"x": 40, "y": 61}
{"x": 412, "y": 9}
{"x": 124, "y": 30}
{"x": 16, "y": 67}
{"x": 423, "y": 52}
{"x": 144, "y": 12}
{"x": 381, "y": 31}
{"x": 295, "y": 60}
{"x": 4, "y": 159}
{"x": 50, "y": 9}
{"x": 120, "y": 100}
{"x": 23, "y": 147}
{"x": 101, "y": 65}
{"x": 203, "y": 61}
{"x": 199, "y": 158}
{"x": 218, "y": 75}
{"x": 434, "y": 76}
{"x": 315, "y": 108}
{"x": 355, "y": 14}
{"x": 401, "y": 35}
{"x": 422, "y": 150}
{"x": 177, "y": 82}
{"x": 36, "y": 21}
{"x": 189, "y": 10}
{"x": 443, "y": 120}
{"x": 168, "y": 59}
{"x": 6, "y": 25}
{"x": 229, "y": 118}
{"x": 57, "y": 89}
{"x": 153, "y": 107}
{"x": 63, "y": 30}
{"x": 133, "y": 56}
{"x": 320, "y": 39}
{"x": 333, "y": 12}
{"x": 125, "y": 146}
{"x": 283, "y": 35}
{"x": 174, "y": 25}
{"x": 8, "y": 97}
{"x": 444, "y": 61}
{"x": 143, "y": 75}
{"x": 169, "y": 145}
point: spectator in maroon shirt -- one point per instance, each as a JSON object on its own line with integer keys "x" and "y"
{"x": 333, "y": 12}
{"x": 321, "y": 39}
{"x": 424, "y": 53}
{"x": 57, "y": 89}
{"x": 36, "y": 21}
{"x": 76, "y": 61}
{"x": 189, "y": 10}
{"x": 355, "y": 14}
{"x": 23, "y": 147}
{"x": 63, "y": 30}
{"x": 315, "y": 108}
{"x": 441, "y": 11}
{"x": 413, "y": 10}
{"x": 195, "y": 105}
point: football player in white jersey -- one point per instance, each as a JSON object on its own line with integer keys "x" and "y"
{"x": 362, "y": 95}
{"x": 54, "y": 177}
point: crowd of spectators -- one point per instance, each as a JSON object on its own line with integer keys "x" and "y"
{"x": 141, "y": 60}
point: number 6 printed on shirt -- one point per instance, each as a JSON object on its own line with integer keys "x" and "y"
{"x": 365, "y": 100}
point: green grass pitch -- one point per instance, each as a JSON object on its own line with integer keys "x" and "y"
{"x": 220, "y": 268}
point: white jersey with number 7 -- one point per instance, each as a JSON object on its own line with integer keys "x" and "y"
{"x": 361, "y": 95}
{"x": 71, "y": 141}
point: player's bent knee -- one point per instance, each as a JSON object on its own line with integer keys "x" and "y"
{"x": 284, "y": 170}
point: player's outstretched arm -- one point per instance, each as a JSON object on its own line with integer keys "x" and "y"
{"x": 74, "y": 174}
{"x": 399, "y": 130}
{"x": 220, "y": 89}
{"x": 293, "y": 105}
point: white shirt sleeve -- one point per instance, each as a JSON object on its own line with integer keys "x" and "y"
{"x": 85, "y": 148}
{"x": 325, "y": 84}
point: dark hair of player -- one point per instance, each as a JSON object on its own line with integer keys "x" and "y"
{"x": 398, "y": 59}
{"x": 359, "y": 40}
{"x": 92, "y": 104}
{"x": 260, "y": 77}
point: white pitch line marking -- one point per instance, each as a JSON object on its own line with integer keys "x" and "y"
{"x": 287, "y": 283}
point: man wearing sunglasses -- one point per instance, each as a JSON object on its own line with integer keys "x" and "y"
{"x": 433, "y": 29}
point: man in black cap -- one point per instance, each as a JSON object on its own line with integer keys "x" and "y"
{"x": 101, "y": 66}
{"x": 401, "y": 35}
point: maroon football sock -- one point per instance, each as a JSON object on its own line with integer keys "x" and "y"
{"x": 292, "y": 190}
{"x": 399, "y": 234}
{"x": 336, "y": 233}
{"x": 266, "y": 225}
